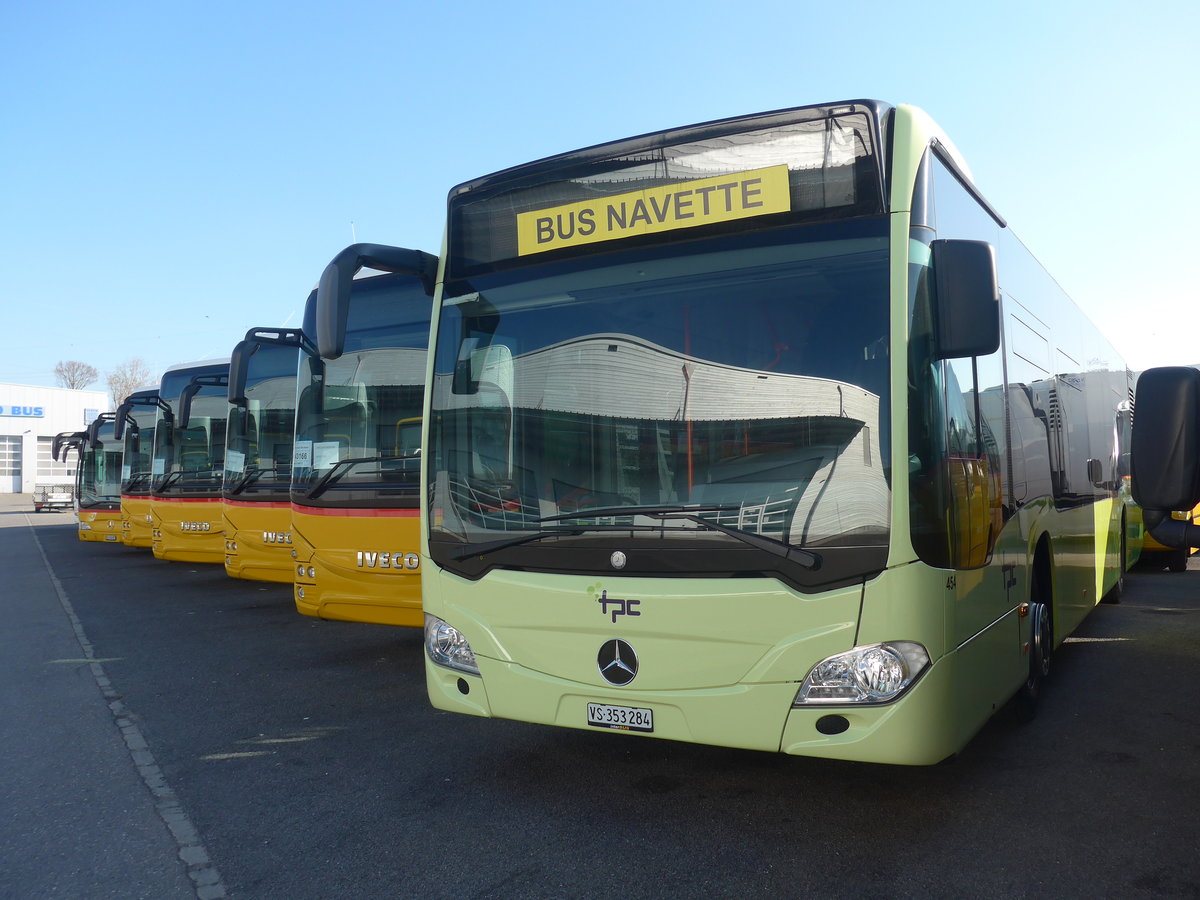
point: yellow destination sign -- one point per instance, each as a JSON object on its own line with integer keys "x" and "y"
{"x": 758, "y": 192}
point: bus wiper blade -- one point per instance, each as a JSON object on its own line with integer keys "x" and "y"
{"x": 782, "y": 549}
{"x": 171, "y": 479}
{"x": 775, "y": 547}
{"x": 245, "y": 480}
{"x": 338, "y": 469}
{"x": 484, "y": 547}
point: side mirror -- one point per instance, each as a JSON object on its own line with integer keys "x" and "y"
{"x": 1166, "y": 438}
{"x": 93, "y": 430}
{"x": 185, "y": 404}
{"x": 142, "y": 398}
{"x": 967, "y": 297}
{"x": 190, "y": 392}
{"x": 333, "y": 290}
{"x": 239, "y": 365}
{"x": 239, "y": 360}
{"x": 1166, "y": 452}
{"x": 65, "y": 441}
{"x": 122, "y": 415}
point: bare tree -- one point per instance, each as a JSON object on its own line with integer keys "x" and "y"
{"x": 127, "y": 378}
{"x": 74, "y": 374}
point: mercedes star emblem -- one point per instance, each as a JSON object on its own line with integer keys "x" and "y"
{"x": 617, "y": 661}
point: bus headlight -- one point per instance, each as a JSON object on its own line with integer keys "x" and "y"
{"x": 874, "y": 674}
{"x": 447, "y": 647}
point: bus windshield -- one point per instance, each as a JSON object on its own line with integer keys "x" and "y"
{"x": 138, "y": 449}
{"x": 188, "y": 461}
{"x": 358, "y": 423}
{"x": 741, "y": 380}
{"x": 100, "y": 470}
{"x": 258, "y": 459}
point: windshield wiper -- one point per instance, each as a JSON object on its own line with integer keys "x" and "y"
{"x": 201, "y": 478}
{"x": 484, "y": 547}
{"x": 170, "y": 479}
{"x": 250, "y": 477}
{"x": 244, "y": 482}
{"x": 782, "y": 549}
{"x": 338, "y": 469}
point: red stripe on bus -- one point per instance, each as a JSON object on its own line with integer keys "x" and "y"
{"x": 357, "y": 513}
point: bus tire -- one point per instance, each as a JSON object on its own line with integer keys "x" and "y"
{"x": 1041, "y": 644}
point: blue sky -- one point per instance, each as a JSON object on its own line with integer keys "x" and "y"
{"x": 172, "y": 174}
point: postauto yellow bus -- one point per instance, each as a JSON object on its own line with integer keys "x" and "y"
{"x": 134, "y": 427}
{"x": 765, "y": 433}
{"x": 189, "y": 453}
{"x": 98, "y": 482}
{"x": 258, "y": 455}
{"x": 358, "y": 428}
{"x": 1157, "y": 554}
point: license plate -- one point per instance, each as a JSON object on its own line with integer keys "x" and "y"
{"x": 623, "y": 718}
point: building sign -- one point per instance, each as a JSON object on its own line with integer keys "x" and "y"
{"x": 25, "y": 412}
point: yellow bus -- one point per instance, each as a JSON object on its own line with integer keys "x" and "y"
{"x": 186, "y": 469}
{"x": 98, "y": 482}
{"x": 258, "y": 455}
{"x": 358, "y": 428}
{"x": 1175, "y": 559}
{"x": 134, "y": 427}
{"x": 764, "y": 433}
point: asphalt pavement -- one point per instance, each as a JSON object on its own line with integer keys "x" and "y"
{"x": 79, "y": 819}
{"x": 170, "y": 732}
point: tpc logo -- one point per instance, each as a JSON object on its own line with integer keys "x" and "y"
{"x": 619, "y": 607}
{"x": 26, "y": 412}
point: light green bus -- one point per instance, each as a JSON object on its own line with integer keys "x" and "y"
{"x": 764, "y": 433}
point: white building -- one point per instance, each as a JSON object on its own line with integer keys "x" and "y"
{"x": 30, "y": 417}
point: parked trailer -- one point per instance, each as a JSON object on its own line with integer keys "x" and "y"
{"x": 53, "y": 496}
